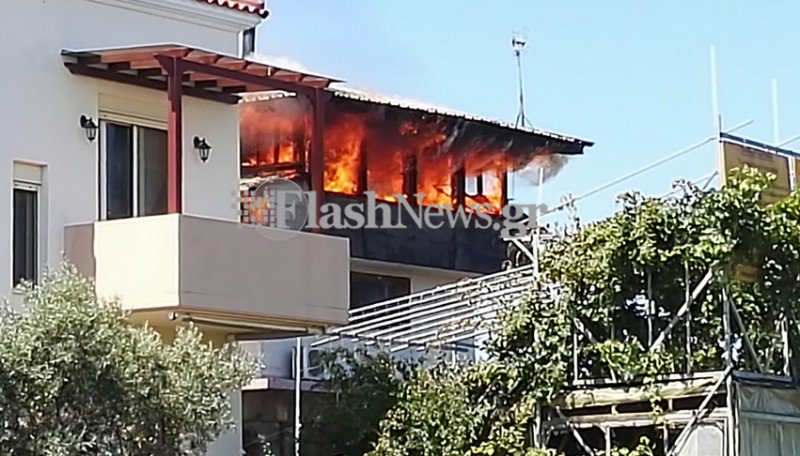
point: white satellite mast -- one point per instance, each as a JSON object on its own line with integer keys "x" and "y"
{"x": 518, "y": 44}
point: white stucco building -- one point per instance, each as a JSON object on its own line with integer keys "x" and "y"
{"x": 136, "y": 207}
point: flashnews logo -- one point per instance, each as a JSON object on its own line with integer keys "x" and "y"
{"x": 281, "y": 207}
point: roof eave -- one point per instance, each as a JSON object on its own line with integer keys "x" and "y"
{"x": 580, "y": 144}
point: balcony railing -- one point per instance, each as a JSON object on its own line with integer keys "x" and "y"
{"x": 439, "y": 317}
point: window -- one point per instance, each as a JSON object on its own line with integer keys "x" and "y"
{"x": 25, "y": 232}
{"x": 366, "y": 289}
{"x": 134, "y": 171}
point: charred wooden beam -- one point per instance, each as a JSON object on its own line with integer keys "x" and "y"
{"x": 300, "y": 146}
{"x": 276, "y": 154}
{"x": 362, "y": 166}
{"x": 458, "y": 184}
{"x": 410, "y": 172}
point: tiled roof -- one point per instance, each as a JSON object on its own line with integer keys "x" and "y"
{"x": 247, "y": 6}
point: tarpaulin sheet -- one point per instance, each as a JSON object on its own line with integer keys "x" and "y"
{"x": 769, "y": 421}
{"x": 705, "y": 440}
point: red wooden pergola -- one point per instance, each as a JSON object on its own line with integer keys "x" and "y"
{"x": 180, "y": 70}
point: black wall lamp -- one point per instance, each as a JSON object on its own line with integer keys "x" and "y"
{"x": 203, "y": 148}
{"x": 90, "y": 127}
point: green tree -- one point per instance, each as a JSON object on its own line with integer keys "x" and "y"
{"x": 77, "y": 378}
{"x": 342, "y": 416}
{"x": 591, "y": 289}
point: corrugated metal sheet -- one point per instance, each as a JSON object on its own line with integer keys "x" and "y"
{"x": 414, "y": 105}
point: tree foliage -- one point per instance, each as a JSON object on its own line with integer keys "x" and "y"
{"x": 649, "y": 247}
{"x": 595, "y": 281}
{"x": 77, "y": 378}
{"x": 360, "y": 388}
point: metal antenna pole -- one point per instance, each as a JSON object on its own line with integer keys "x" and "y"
{"x": 776, "y": 130}
{"x": 717, "y": 115}
{"x": 714, "y": 94}
{"x": 518, "y": 45}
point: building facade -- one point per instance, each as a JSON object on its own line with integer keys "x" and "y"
{"x": 101, "y": 168}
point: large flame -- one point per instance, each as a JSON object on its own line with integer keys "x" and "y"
{"x": 343, "y": 144}
{"x": 386, "y": 150}
{"x": 274, "y": 133}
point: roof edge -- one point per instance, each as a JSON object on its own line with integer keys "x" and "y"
{"x": 366, "y": 97}
{"x": 421, "y": 107}
{"x": 245, "y": 6}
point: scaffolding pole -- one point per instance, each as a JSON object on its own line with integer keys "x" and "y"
{"x": 298, "y": 377}
{"x": 730, "y": 431}
{"x": 688, "y": 298}
{"x": 684, "y": 308}
{"x": 701, "y": 411}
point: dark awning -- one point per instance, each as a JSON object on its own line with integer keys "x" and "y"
{"x": 206, "y": 74}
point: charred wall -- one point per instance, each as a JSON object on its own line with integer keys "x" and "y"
{"x": 464, "y": 248}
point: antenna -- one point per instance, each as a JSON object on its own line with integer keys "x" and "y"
{"x": 714, "y": 96}
{"x": 776, "y": 131}
{"x": 518, "y": 46}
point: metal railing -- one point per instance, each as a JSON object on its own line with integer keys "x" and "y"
{"x": 440, "y": 317}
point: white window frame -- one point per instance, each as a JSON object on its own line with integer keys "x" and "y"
{"x": 135, "y": 123}
{"x": 36, "y": 189}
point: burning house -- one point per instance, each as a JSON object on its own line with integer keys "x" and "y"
{"x": 392, "y": 147}
{"x": 128, "y": 162}
{"x": 342, "y": 143}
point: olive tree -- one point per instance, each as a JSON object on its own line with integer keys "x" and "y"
{"x": 343, "y": 415}
{"x": 78, "y": 378}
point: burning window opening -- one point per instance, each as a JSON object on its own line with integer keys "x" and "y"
{"x": 394, "y": 150}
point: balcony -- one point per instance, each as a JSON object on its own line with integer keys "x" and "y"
{"x": 215, "y": 272}
{"x": 461, "y": 248}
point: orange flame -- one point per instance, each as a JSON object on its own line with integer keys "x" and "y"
{"x": 367, "y": 146}
{"x": 343, "y": 145}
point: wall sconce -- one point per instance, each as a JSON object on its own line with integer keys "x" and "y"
{"x": 91, "y": 128}
{"x": 203, "y": 148}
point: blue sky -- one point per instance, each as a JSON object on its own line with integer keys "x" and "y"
{"x": 633, "y": 76}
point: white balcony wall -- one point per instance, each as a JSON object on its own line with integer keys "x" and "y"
{"x": 188, "y": 264}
